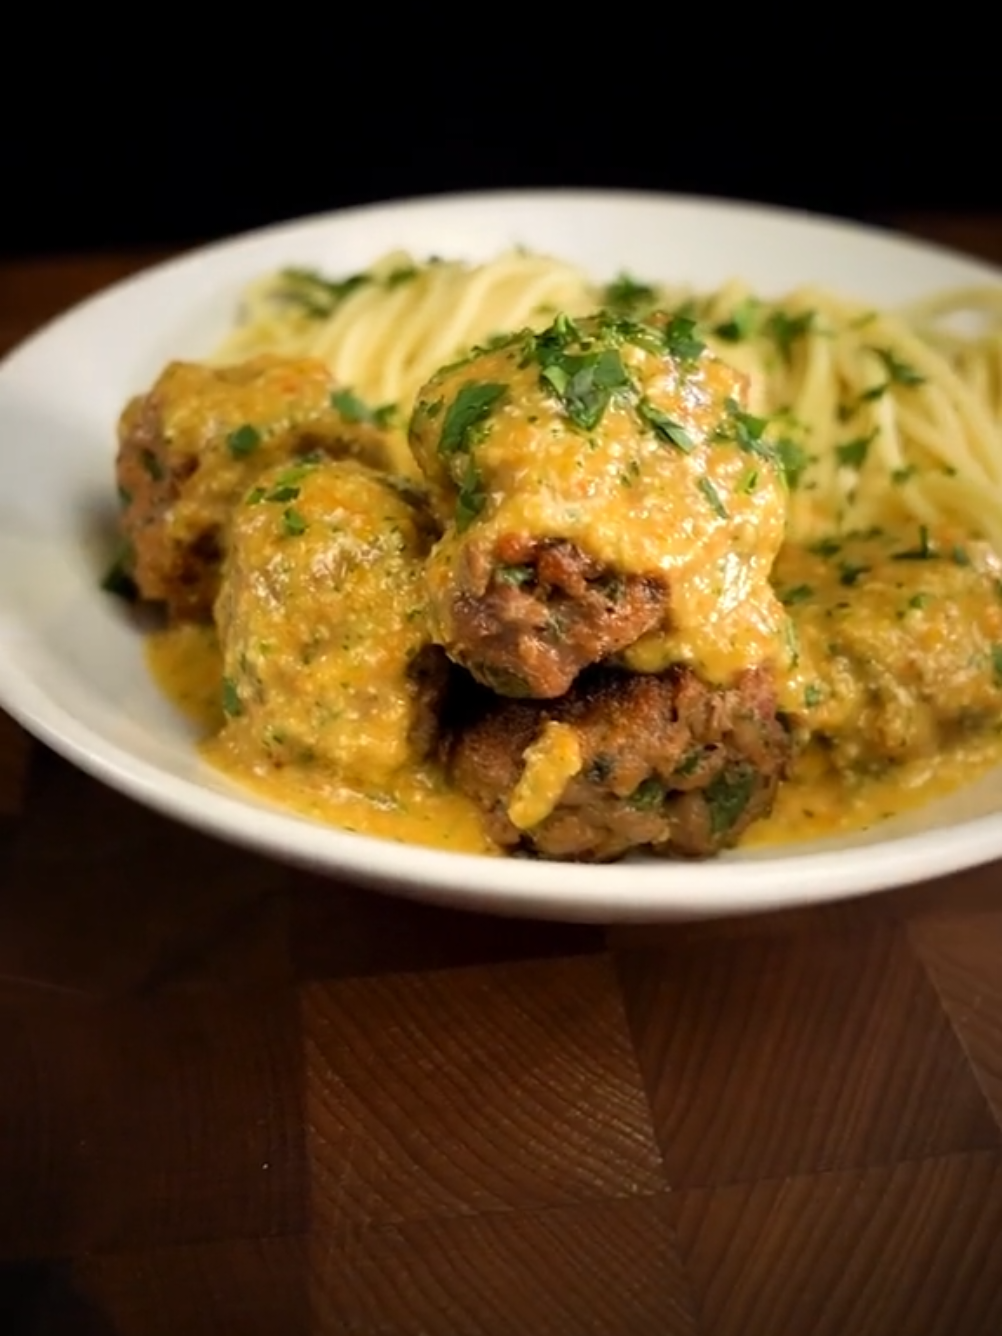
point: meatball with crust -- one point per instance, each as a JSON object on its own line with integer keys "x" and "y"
{"x": 190, "y": 446}
{"x": 320, "y": 615}
{"x": 603, "y": 494}
{"x": 659, "y": 762}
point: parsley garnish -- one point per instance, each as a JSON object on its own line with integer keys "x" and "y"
{"x": 231, "y": 698}
{"x": 354, "y": 409}
{"x": 471, "y": 499}
{"x": 785, "y": 330}
{"x": 741, "y": 323}
{"x": 852, "y": 454}
{"x": 813, "y": 695}
{"x": 713, "y": 497}
{"x": 798, "y": 594}
{"x": 902, "y": 475}
{"x": 648, "y": 795}
{"x": 627, "y": 294}
{"x": 850, "y": 573}
{"x": 997, "y": 664}
{"x": 924, "y": 551}
{"x": 795, "y": 461}
{"x": 151, "y": 463}
{"x": 293, "y": 523}
{"x": 666, "y": 427}
{"x": 473, "y": 403}
{"x": 244, "y": 441}
{"x": 727, "y": 796}
{"x": 585, "y": 382}
{"x": 681, "y": 339}
{"x": 515, "y": 575}
{"x": 899, "y": 372}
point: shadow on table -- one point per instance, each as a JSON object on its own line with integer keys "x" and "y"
{"x": 38, "y": 1299}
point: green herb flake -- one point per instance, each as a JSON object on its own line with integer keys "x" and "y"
{"x": 787, "y": 330}
{"x": 713, "y": 497}
{"x": 232, "y": 706}
{"x": 852, "y": 454}
{"x": 960, "y": 556}
{"x": 255, "y": 496}
{"x": 682, "y": 341}
{"x": 585, "y": 383}
{"x": 923, "y": 552}
{"x": 795, "y": 461}
{"x": 689, "y": 763}
{"x": 813, "y": 695}
{"x": 850, "y": 573}
{"x": 899, "y": 372}
{"x": 625, "y": 293}
{"x": 798, "y": 594}
{"x": 316, "y": 296}
{"x": 826, "y": 547}
{"x": 244, "y": 441}
{"x": 747, "y": 482}
{"x": 919, "y": 601}
{"x": 648, "y": 795}
{"x": 287, "y": 491}
{"x": 515, "y": 575}
{"x": 665, "y": 427}
{"x": 472, "y": 405}
{"x": 996, "y": 654}
{"x": 741, "y": 324}
{"x": 151, "y": 463}
{"x": 293, "y": 523}
{"x": 118, "y": 578}
{"x": 727, "y": 797}
{"x": 900, "y": 476}
{"x": 471, "y": 499}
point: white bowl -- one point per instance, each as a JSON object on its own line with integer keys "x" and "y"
{"x": 71, "y": 661}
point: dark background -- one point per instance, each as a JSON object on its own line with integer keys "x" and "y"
{"x": 161, "y": 149}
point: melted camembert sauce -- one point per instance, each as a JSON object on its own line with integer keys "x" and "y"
{"x": 420, "y": 808}
{"x": 416, "y": 807}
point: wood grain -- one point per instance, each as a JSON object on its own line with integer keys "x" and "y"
{"x": 243, "y": 1100}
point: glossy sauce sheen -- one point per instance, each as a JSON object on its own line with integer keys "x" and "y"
{"x": 707, "y": 516}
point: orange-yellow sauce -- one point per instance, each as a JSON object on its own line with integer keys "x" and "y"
{"x": 816, "y": 802}
{"x": 417, "y": 807}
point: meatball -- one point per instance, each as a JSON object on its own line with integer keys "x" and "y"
{"x": 603, "y": 494}
{"x": 900, "y": 643}
{"x": 189, "y": 447}
{"x": 623, "y": 761}
{"x": 321, "y": 623}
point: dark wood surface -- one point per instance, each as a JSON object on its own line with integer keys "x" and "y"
{"x": 242, "y": 1101}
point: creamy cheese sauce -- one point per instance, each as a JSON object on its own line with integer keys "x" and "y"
{"x": 419, "y": 807}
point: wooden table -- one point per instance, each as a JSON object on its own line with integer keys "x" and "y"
{"x": 238, "y": 1100}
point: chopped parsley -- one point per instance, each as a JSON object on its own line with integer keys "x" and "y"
{"x": 316, "y": 296}
{"x": 960, "y": 556}
{"x": 151, "y": 463}
{"x": 919, "y": 600}
{"x": 472, "y": 497}
{"x": 903, "y": 475}
{"x": 648, "y": 795}
{"x": 900, "y": 373}
{"x": 244, "y": 441}
{"x": 741, "y": 324}
{"x": 231, "y": 699}
{"x": 852, "y": 454}
{"x": 681, "y": 339}
{"x": 798, "y": 594}
{"x": 786, "y": 330}
{"x": 689, "y": 763}
{"x": 996, "y": 653}
{"x": 747, "y": 482}
{"x": 850, "y": 573}
{"x": 826, "y": 547}
{"x": 118, "y": 578}
{"x": 472, "y": 406}
{"x": 923, "y": 552}
{"x": 585, "y": 383}
{"x": 515, "y": 575}
{"x": 795, "y": 461}
{"x": 293, "y": 522}
{"x": 354, "y": 409}
{"x": 713, "y": 497}
{"x": 627, "y": 294}
{"x": 727, "y": 796}
{"x": 665, "y": 427}
{"x": 813, "y": 695}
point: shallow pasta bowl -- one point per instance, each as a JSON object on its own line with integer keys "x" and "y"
{"x": 72, "y": 667}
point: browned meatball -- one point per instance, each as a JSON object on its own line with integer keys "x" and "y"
{"x": 661, "y": 762}
{"x": 603, "y": 494}
{"x": 190, "y": 447}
